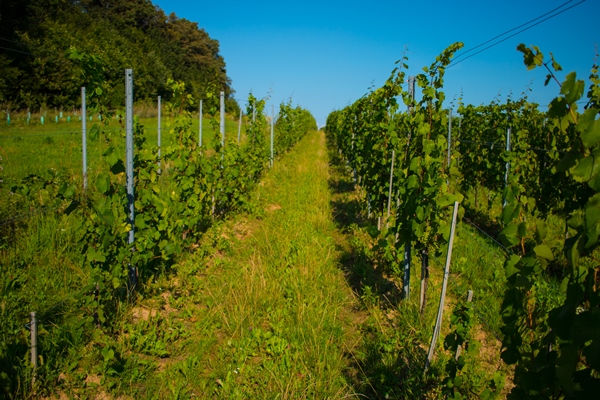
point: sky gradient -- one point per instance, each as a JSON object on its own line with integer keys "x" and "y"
{"x": 325, "y": 55}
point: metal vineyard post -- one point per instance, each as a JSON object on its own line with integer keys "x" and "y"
{"x": 83, "y": 137}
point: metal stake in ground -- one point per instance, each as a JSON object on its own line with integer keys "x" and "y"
{"x": 507, "y": 163}
{"x": 272, "y": 131}
{"x": 159, "y": 126}
{"x": 129, "y": 169}
{"x": 406, "y": 279}
{"x": 83, "y": 138}
{"x": 438, "y": 321}
{"x": 449, "y": 137}
{"x": 387, "y": 223}
{"x": 34, "y": 353}
{"x": 222, "y": 116}
{"x": 200, "y": 123}
{"x": 240, "y": 125}
{"x": 407, "y": 255}
{"x": 424, "y": 279}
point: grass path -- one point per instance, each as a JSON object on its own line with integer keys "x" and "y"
{"x": 262, "y": 310}
{"x": 290, "y": 299}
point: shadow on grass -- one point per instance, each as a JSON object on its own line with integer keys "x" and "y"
{"x": 482, "y": 220}
{"x": 388, "y": 363}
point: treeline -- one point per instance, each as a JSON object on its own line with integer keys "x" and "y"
{"x": 37, "y": 38}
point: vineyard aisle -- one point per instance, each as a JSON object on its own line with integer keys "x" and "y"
{"x": 262, "y": 309}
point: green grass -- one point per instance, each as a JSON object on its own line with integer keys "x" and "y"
{"x": 261, "y": 310}
{"x": 289, "y": 299}
{"x": 35, "y": 148}
{"x": 395, "y": 336}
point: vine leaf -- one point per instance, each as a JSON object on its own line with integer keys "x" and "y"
{"x": 572, "y": 88}
{"x": 543, "y": 251}
{"x": 589, "y": 127}
{"x": 102, "y": 183}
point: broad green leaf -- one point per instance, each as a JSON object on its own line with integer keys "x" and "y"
{"x": 93, "y": 255}
{"x": 572, "y": 88}
{"x": 94, "y": 132}
{"x": 446, "y": 200}
{"x": 543, "y": 251}
{"x": 589, "y": 127}
{"x": 510, "y": 212}
{"x": 586, "y": 170}
{"x": 531, "y": 58}
{"x": 103, "y": 183}
{"x": 592, "y": 220}
{"x": 573, "y": 247}
{"x": 110, "y": 156}
{"x": 509, "y": 235}
{"x": 522, "y": 230}
{"x": 541, "y": 230}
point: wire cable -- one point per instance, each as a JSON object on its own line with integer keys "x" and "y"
{"x": 511, "y": 30}
{"x": 514, "y": 34}
{"x": 13, "y": 41}
{"x": 17, "y": 51}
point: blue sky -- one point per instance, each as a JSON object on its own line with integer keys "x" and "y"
{"x": 325, "y": 55}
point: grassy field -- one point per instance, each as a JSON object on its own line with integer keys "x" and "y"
{"x": 290, "y": 298}
{"x": 35, "y": 148}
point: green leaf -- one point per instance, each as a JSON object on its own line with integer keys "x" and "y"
{"x": 522, "y": 230}
{"x": 592, "y": 220}
{"x": 413, "y": 181}
{"x": 531, "y": 58}
{"x": 544, "y": 252}
{"x": 510, "y": 212}
{"x": 555, "y": 65}
{"x": 572, "y": 88}
{"x": 94, "y": 132}
{"x": 589, "y": 127}
{"x": 586, "y": 170}
{"x": 573, "y": 247}
{"x": 110, "y": 156}
{"x": 93, "y": 255}
{"x": 446, "y": 200}
{"x": 509, "y": 235}
{"x": 540, "y": 230}
{"x": 103, "y": 183}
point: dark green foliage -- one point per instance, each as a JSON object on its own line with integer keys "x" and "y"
{"x": 555, "y": 349}
{"x": 120, "y": 34}
{"x": 368, "y": 131}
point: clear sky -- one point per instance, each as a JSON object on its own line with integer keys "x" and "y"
{"x": 326, "y": 54}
